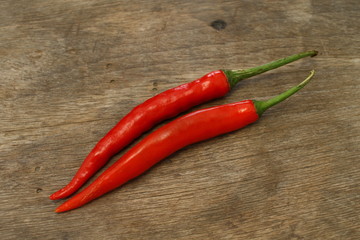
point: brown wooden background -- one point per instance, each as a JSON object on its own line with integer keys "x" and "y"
{"x": 71, "y": 69}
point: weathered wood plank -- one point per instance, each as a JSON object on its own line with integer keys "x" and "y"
{"x": 71, "y": 69}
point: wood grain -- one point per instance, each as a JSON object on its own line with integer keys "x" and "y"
{"x": 71, "y": 69}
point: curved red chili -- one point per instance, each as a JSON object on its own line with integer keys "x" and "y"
{"x": 198, "y": 126}
{"x": 160, "y": 107}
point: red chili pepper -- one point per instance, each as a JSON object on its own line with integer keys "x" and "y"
{"x": 188, "y": 129}
{"x": 160, "y": 107}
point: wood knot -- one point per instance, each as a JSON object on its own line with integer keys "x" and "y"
{"x": 218, "y": 24}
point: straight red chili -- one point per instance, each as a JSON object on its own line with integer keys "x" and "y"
{"x": 190, "y": 128}
{"x": 160, "y": 107}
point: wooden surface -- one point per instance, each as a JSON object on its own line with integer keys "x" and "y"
{"x": 71, "y": 69}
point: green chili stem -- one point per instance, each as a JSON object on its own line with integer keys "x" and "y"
{"x": 262, "y": 106}
{"x": 235, "y": 76}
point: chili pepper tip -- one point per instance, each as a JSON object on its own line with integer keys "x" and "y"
{"x": 55, "y": 196}
{"x": 59, "y": 209}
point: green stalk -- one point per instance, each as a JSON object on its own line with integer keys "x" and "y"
{"x": 262, "y": 106}
{"x": 235, "y": 76}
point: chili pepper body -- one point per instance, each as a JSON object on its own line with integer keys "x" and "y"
{"x": 160, "y": 107}
{"x": 163, "y": 106}
{"x": 191, "y": 128}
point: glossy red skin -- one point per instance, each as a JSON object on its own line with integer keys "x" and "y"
{"x": 142, "y": 118}
{"x": 191, "y": 128}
